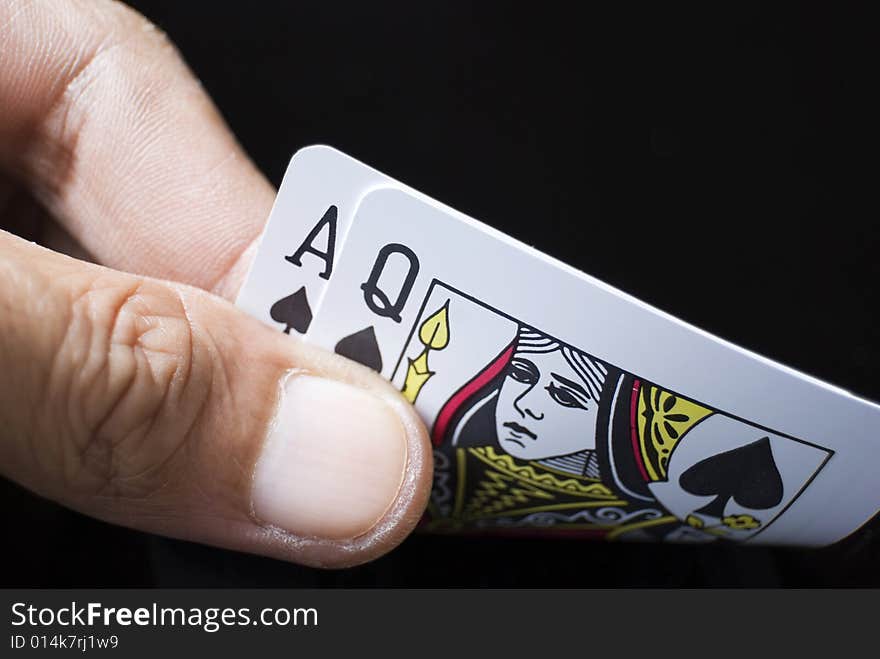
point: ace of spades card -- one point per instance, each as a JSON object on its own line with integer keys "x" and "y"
{"x": 559, "y": 404}
{"x": 296, "y": 253}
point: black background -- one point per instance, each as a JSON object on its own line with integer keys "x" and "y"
{"x": 712, "y": 164}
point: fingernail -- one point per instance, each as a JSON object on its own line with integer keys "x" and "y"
{"x": 333, "y": 462}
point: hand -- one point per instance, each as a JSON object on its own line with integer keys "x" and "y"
{"x": 147, "y": 399}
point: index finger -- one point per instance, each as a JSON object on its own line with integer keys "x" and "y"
{"x": 110, "y": 130}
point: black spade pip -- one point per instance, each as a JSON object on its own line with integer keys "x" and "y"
{"x": 293, "y": 311}
{"x": 747, "y": 474}
{"x": 362, "y": 347}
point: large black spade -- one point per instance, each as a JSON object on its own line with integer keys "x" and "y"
{"x": 362, "y": 347}
{"x": 293, "y": 311}
{"x": 747, "y": 474}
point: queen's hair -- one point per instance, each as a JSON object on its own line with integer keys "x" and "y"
{"x": 588, "y": 368}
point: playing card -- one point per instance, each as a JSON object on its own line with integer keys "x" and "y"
{"x": 297, "y": 252}
{"x": 304, "y": 233}
{"x": 556, "y": 402}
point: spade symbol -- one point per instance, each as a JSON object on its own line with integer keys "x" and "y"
{"x": 293, "y": 311}
{"x": 747, "y": 474}
{"x": 361, "y": 347}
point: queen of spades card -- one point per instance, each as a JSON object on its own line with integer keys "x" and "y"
{"x": 534, "y": 435}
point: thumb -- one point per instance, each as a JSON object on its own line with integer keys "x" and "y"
{"x": 163, "y": 408}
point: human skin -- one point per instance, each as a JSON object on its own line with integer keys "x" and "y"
{"x": 133, "y": 390}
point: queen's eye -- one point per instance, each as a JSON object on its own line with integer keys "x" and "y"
{"x": 565, "y": 397}
{"x": 522, "y": 370}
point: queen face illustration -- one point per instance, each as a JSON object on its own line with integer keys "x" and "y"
{"x": 548, "y": 401}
